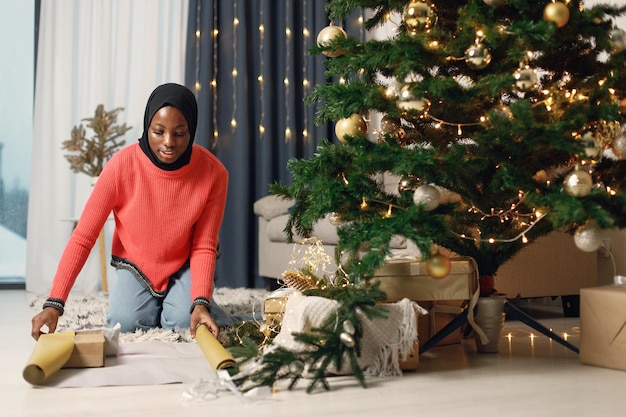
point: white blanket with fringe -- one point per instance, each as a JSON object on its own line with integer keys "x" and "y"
{"x": 385, "y": 342}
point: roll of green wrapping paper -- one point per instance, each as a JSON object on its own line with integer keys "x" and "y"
{"x": 216, "y": 354}
{"x": 50, "y": 354}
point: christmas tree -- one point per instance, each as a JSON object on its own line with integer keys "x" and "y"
{"x": 502, "y": 120}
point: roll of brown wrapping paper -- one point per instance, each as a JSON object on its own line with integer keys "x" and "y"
{"x": 50, "y": 354}
{"x": 216, "y": 354}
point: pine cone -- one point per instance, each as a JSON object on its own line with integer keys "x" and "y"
{"x": 298, "y": 281}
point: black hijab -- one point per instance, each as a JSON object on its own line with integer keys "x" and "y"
{"x": 184, "y": 100}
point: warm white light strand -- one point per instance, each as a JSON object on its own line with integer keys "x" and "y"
{"x": 287, "y": 68}
{"x": 198, "y": 84}
{"x": 214, "y": 34}
{"x": 234, "y": 73}
{"x": 521, "y": 235}
{"x": 261, "y": 77}
{"x": 305, "y": 80}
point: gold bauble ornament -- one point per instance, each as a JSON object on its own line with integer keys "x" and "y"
{"x": 334, "y": 219}
{"x": 525, "y": 79}
{"x": 350, "y": 126}
{"x": 389, "y": 126}
{"x": 556, "y": 12}
{"x": 427, "y": 196}
{"x": 578, "y": 183}
{"x": 409, "y": 103}
{"x": 477, "y": 56}
{"x": 588, "y": 238}
{"x": 327, "y": 35}
{"x": 541, "y": 176}
{"x": 408, "y": 183}
{"x": 419, "y": 16}
{"x": 618, "y": 146}
{"x": 438, "y": 266}
{"x": 617, "y": 38}
{"x": 593, "y": 148}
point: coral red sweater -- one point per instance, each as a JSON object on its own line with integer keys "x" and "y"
{"x": 162, "y": 219}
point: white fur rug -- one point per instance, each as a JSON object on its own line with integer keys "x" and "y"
{"x": 88, "y": 311}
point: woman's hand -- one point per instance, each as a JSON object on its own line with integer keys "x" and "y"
{"x": 48, "y": 317}
{"x": 201, "y": 316}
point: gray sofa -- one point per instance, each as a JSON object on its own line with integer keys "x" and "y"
{"x": 551, "y": 266}
{"x": 275, "y": 254}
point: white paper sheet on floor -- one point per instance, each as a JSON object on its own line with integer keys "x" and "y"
{"x": 141, "y": 363}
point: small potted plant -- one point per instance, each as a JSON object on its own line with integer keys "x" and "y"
{"x": 88, "y": 155}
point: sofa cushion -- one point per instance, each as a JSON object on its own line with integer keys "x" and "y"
{"x": 271, "y": 206}
{"x": 323, "y": 230}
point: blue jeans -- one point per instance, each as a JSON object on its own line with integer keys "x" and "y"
{"x": 133, "y": 306}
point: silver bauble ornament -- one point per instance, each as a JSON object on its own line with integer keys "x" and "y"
{"x": 348, "y": 327}
{"x": 408, "y": 102}
{"x": 419, "y": 16}
{"x": 617, "y": 38}
{"x": 556, "y": 12}
{"x": 588, "y": 238}
{"x": 477, "y": 56}
{"x": 347, "y": 339}
{"x": 327, "y": 35}
{"x": 525, "y": 79}
{"x": 427, "y": 197}
{"x": 408, "y": 183}
{"x": 619, "y": 145}
{"x": 578, "y": 183}
{"x": 350, "y": 126}
{"x": 296, "y": 367}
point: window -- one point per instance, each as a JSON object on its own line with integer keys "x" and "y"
{"x": 17, "y": 24}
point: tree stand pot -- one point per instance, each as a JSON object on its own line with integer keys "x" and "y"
{"x": 490, "y": 318}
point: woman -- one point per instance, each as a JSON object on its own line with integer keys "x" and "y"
{"x": 167, "y": 196}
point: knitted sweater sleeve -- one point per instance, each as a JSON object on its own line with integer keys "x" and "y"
{"x": 85, "y": 235}
{"x": 206, "y": 235}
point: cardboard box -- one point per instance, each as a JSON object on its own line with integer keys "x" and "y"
{"x": 88, "y": 351}
{"x": 402, "y": 279}
{"x": 440, "y": 313}
{"x": 412, "y": 361}
{"x": 603, "y": 326}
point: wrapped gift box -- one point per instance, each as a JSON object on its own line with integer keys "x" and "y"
{"x": 444, "y": 298}
{"x": 402, "y": 279}
{"x": 88, "y": 351}
{"x": 274, "y": 306}
{"x": 603, "y": 326}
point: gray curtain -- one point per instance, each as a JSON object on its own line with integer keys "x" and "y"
{"x": 253, "y": 160}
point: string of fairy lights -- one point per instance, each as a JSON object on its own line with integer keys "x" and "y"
{"x": 260, "y": 77}
{"x": 215, "y": 33}
{"x": 287, "y": 71}
{"x": 289, "y": 48}
{"x": 234, "y": 72}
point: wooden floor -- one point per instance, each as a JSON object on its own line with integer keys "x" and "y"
{"x": 531, "y": 376}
